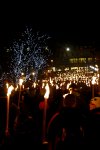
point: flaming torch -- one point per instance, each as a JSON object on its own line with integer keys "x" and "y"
{"x": 93, "y": 82}
{"x": 46, "y": 96}
{"x": 20, "y": 85}
{"x": 7, "y": 116}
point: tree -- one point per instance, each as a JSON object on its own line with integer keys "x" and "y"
{"x": 28, "y": 53}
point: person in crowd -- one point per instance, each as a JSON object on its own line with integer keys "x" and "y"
{"x": 65, "y": 125}
{"x": 92, "y": 130}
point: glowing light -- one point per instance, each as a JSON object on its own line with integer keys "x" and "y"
{"x": 7, "y": 85}
{"x": 20, "y": 81}
{"x": 93, "y": 80}
{"x": 94, "y": 68}
{"x": 10, "y": 90}
{"x": 67, "y": 49}
{"x": 46, "y": 96}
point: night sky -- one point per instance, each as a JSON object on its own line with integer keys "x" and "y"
{"x": 75, "y": 23}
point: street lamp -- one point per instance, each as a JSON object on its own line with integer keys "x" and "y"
{"x": 67, "y": 49}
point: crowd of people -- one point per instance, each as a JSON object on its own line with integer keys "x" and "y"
{"x": 69, "y": 119}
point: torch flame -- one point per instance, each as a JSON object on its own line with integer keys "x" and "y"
{"x": 93, "y": 80}
{"x": 20, "y": 81}
{"x": 7, "y": 85}
{"x": 10, "y": 90}
{"x": 46, "y": 96}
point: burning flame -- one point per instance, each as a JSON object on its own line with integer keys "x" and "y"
{"x": 93, "y": 80}
{"x": 46, "y": 96}
{"x": 7, "y": 85}
{"x": 20, "y": 81}
{"x": 10, "y": 90}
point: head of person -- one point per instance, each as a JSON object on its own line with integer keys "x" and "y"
{"x": 72, "y": 88}
{"x": 94, "y": 103}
